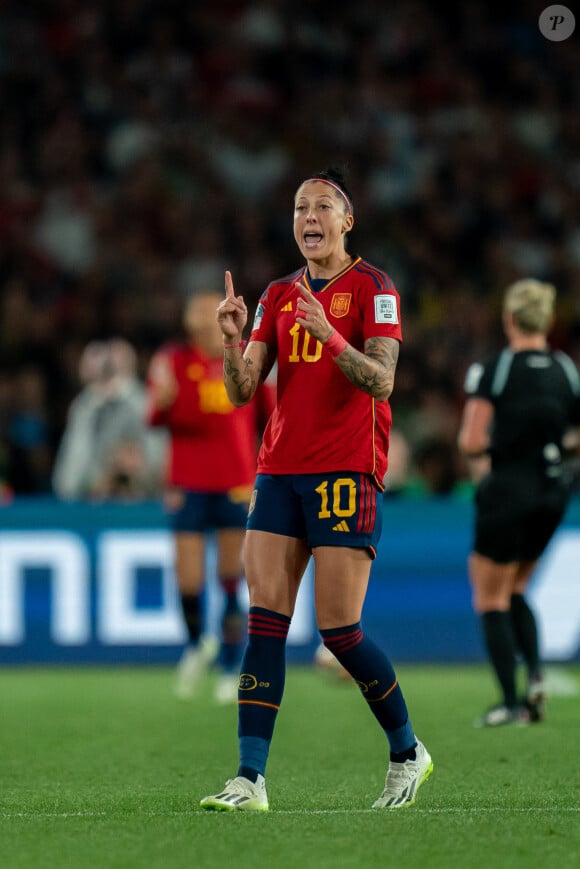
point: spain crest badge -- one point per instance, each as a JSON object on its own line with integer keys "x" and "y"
{"x": 340, "y": 304}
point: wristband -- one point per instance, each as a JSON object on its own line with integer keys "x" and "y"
{"x": 231, "y": 346}
{"x": 336, "y": 344}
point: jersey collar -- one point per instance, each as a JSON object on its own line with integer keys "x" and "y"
{"x": 332, "y": 280}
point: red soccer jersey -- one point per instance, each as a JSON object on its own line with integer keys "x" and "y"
{"x": 213, "y": 444}
{"x": 322, "y": 422}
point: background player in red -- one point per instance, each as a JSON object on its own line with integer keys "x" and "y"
{"x": 334, "y": 328}
{"x": 211, "y": 467}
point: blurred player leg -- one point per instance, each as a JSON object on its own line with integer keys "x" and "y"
{"x": 526, "y": 634}
{"x": 492, "y": 584}
{"x": 230, "y": 543}
{"x": 199, "y": 651}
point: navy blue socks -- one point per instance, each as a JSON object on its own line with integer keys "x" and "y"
{"x": 261, "y": 687}
{"x": 376, "y": 678}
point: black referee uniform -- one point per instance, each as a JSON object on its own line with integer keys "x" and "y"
{"x": 536, "y": 398}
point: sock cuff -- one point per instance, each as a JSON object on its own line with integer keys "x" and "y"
{"x": 267, "y": 623}
{"x": 339, "y": 640}
{"x": 494, "y": 615}
{"x": 190, "y": 597}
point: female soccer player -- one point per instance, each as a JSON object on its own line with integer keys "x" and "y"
{"x": 334, "y": 328}
{"x": 520, "y": 405}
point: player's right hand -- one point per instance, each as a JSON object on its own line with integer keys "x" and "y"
{"x": 232, "y": 314}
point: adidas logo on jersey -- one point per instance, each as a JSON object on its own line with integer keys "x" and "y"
{"x": 342, "y": 526}
{"x": 287, "y": 307}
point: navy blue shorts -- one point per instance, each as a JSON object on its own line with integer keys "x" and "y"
{"x": 201, "y": 512}
{"x": 343, "y": 508}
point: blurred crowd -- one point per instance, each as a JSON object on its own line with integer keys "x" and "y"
{"x": 147, "y": 145}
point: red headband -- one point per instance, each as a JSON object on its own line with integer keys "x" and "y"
{"x": 336, "y": 187}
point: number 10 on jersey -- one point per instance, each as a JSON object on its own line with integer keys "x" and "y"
{"x": 297, "y": 331}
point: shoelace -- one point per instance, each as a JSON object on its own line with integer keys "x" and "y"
{"x": 399, "y": 774}
{"x": 241, "y": 786}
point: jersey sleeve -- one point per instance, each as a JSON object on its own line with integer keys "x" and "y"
{"x": 264, "y": 327}
{"x": 381, "y": 309}
{"x": 478, "y": 380}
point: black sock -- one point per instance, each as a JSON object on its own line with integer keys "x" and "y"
{"x": 191, "y": 606}
{"x": 525, "y": 633}
{"x": 499, "y": 639}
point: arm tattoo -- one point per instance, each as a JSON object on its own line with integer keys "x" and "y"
{"x": 374, "y": 370}
{"x": 242, "y": 374}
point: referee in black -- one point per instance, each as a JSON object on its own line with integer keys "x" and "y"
{"x": 522, "y": 406}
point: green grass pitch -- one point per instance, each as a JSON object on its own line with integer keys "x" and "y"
{"x": 104, "y": 768}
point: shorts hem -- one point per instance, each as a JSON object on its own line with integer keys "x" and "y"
{"x": 350, "y": 544}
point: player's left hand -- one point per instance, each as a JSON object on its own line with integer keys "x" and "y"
{"x": 310, "y": 314}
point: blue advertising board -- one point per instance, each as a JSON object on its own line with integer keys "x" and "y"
{"x": 88, "y": 583}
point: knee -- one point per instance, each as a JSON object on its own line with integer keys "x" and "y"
{"x": 270, "y": 598}
{"x": 335, "y": 616}
{"x": 485, "y": 601}
{"x": 189, "y": 578}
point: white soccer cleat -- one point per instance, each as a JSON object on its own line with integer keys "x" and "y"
{"x": 498, "y": 716}
{"x": 226, "y": 689}
{"x": 241, "y": 795}
{"x": 404, "y": 780}
{"x": 193, "y": 665}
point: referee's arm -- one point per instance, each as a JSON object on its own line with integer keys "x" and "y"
{"x": 473, "y": 438}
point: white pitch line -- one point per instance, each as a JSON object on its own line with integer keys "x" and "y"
{"x": 524, "y": 810}
{"x": 449, "y": 811}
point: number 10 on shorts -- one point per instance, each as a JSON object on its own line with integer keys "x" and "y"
{"x": 339, "y": 496}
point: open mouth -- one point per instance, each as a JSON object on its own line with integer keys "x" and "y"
{"x": 312, "y": 239}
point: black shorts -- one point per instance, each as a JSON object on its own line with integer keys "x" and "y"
{"x": 516, "y": 516}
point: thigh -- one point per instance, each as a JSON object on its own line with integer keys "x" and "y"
{"x": 491, "y": 583}
{"x": 230, "y": 544}
{"x": 274, "y": 566}
{"x": 340, "y": 585}
{"x": 190, "y": 561}
{"x": 523, "y": 575}
{"x": 342, "y": 509}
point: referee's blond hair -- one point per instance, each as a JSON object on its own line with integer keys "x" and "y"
{"x": 532, "y": 304}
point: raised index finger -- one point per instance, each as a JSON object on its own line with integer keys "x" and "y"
{"x": 304, "y": 290}
{"x": 229, "y": 286}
